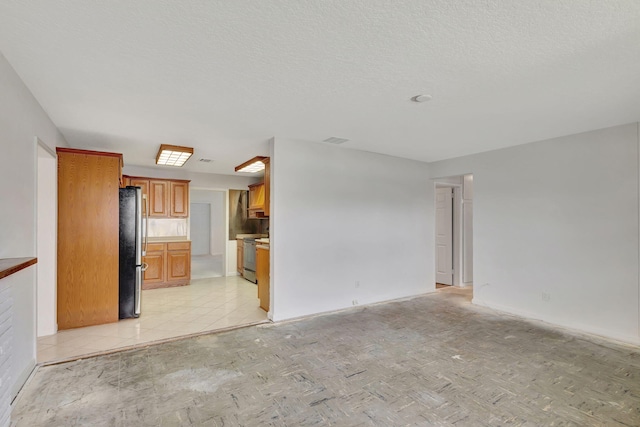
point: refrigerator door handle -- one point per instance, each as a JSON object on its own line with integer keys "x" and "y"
{"x": 146, "y": 224}
{"x": 139, "y": 231}
{"x": 138, "y": 290}
{"x": 145, "y": 266}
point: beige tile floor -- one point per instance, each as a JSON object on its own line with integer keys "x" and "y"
{"x": 205, "y": 305}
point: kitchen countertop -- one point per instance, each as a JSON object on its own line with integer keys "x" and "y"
{"x": 242, "y": 236}
{"x": 264, "y": 240}
{"x": 159, "y": 239}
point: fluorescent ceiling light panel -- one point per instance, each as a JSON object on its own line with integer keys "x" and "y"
{"x": 173, "y": 155}
{"x": 254, "y": 165}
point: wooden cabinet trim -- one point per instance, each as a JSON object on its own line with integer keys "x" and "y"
{"x": 177, "y": 246}
{"x": 9, "y": 266}
{"x": 157, "y": 179}
{"x": 88, "y": 152}
{"x": 155, "y": 247}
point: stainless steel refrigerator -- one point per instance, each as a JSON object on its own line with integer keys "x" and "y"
{"x": 132, "y": 238}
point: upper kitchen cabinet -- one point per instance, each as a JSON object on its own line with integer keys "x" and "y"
{"x": 158, "y": 198}
{"x": 166, "y": 198}
{"x": 88, "y": 237}
{"x": 259, "y": 194}
{"x": 179, "y": 204}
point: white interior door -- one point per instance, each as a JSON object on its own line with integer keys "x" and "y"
{"x": 444, "y": 236}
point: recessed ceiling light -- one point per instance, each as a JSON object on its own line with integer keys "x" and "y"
{"x": 173, "y": 155}
{"x": 421, "y": 98}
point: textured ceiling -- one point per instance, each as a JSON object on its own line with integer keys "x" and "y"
{"x": 225, "y": 76}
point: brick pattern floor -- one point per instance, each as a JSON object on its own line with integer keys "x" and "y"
{"x": 434, "y": 360}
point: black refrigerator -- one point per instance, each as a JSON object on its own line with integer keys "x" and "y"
{"x": 132, "y": 232}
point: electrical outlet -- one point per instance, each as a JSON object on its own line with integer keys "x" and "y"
{"x": 357, "y": 283}
{"x": 354, "y": 302}
{"x": 546, "y": 296}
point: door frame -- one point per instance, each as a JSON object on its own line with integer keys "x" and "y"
{"x": 46, "y": 242}
{"x": 456, "y": 235}
{"x": 457, "y": 183}
{"x": 225, "y": 216}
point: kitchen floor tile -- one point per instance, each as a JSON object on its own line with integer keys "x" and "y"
{"x": 205, "y": 305}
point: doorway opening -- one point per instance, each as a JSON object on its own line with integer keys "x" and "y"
{"x": 208, "y": 233}
{"x": 207, "y": 304}
{"x": 454, "y": 231}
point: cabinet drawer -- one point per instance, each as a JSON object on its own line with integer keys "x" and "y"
{"x": 178, "y": 246}
{"x": 155, "y": 247}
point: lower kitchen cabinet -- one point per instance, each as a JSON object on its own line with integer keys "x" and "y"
{"x": 167, "y": 264}
{"x": 154, "y": 260}
{"x": 178, "y": 263}
{"x": 240, "y": 256}
{"x": 262, "y": 274}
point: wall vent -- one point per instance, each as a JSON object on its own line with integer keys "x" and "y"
{"x": 335, "y": 140}
{"x": 205, "y": 160}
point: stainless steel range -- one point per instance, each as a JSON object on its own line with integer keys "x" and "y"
{"x": 249, "y": 262}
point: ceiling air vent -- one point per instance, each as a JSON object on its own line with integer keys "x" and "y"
{"x": 335, "y": 140}
{"x": 205, "y": 160}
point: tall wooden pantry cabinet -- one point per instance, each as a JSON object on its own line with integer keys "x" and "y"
{"x": 88, "y": 237}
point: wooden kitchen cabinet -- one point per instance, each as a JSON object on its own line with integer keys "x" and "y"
{"x": 256, "y": 200}
{"x": 166, "y": 198}
{"x": 179, "y": 263}
{"x": 138, "y": 182}
{"x": 267, "y": 186}
{"x": 154, "y": 260}
{"x": 259, "y": 194}
{"x": 262, "y": 274}
{"x": 88, "y": 237}
{"x": 240, "y": 256}
{"x": 256, "y": 196}
{"x": 158, "y": 198}
{"x": 179, "y": 203}
{"x": 168, "y": 264}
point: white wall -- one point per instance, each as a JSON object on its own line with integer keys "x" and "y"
{"x": 47, "y": 196}
{"x": 21, "y": 120}
{"x": 217, "y": 200}
{"x": 355, "y": 217}
{"x": 555, "y": 228}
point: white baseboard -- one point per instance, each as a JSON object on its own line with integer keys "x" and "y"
{"x": 573, "y": 326}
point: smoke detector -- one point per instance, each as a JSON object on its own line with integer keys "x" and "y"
{"x": 421, "y": 98}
